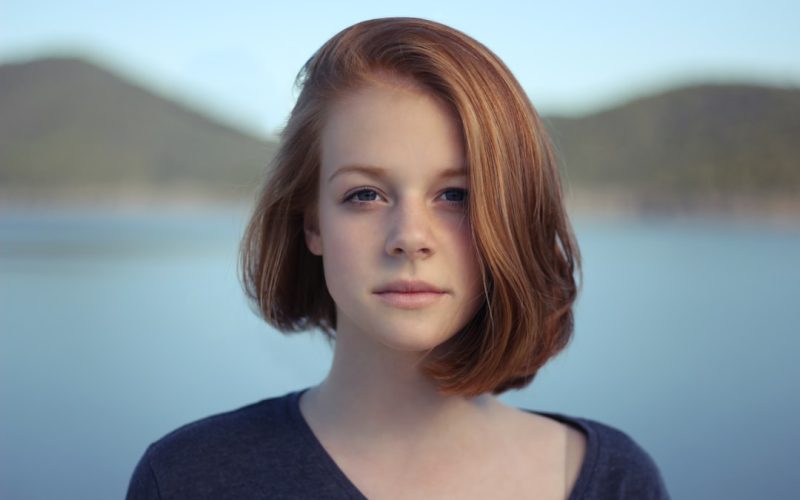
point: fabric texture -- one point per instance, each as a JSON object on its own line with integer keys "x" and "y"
{"x": 267, "y": 450}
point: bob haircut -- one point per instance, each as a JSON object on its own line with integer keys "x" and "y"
{"x": 520, "y": 229}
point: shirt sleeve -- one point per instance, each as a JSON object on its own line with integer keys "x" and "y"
{"x": 623, "y": 470}
{"x": 143, "y": 484}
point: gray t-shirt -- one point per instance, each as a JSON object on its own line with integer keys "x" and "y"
{"x": 267, "y": 450}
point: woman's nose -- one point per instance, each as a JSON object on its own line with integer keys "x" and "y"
{"x": 410, "y": 233}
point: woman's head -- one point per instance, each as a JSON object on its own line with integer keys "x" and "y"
{"x": 390, "y": 219}
{"x": 517, "y": 225}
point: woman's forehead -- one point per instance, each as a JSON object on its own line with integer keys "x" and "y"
{"x": 388, "y": 126}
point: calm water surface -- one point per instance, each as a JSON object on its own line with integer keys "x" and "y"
{"x": 115, "y": 329}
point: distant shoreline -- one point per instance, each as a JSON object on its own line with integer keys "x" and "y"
{"x": 581, "y": 202}
{"x": 771, "y": 209}
{"x": 130, "y": 199}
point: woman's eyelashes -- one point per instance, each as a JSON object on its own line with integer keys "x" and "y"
{"x": 455, "y": 195}
{"x": 366, "y": 196}
{"x": 362, "y": 196}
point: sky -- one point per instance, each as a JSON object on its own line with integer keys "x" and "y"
{"x": 237, "y": 59}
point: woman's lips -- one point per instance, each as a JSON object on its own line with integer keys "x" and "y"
{"x": 410, "y": 300}
{"x": 409, "y": 294}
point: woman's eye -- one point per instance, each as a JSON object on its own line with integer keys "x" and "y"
{"x": 455, "y": 195}
{"x": 362, "y": 196}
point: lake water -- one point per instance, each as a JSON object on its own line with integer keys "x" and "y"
{"x": 115, "y": 329}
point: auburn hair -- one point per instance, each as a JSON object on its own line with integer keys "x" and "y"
{"x": 521, "y": 232}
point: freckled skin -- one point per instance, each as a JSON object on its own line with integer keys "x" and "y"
{"x": 405, "y": 219}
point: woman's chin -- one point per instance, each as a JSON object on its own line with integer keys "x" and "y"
{"x": 419, "y": 340}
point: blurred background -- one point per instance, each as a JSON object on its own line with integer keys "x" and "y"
{"x": 133, "y": 137}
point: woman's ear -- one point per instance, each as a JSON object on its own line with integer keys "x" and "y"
{"x": 311, "y": 229}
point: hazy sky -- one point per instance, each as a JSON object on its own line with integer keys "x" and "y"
{"x": 238, "y": 58}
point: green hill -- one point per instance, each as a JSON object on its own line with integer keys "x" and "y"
{"x": 67, "y": 124}
{"x": 714, "y": 140}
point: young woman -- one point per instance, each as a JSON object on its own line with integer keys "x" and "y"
{"x": 414, "y": 214}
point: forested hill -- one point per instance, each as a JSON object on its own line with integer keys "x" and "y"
{"x": 66, "y": 124}
{"x": 711, "y": 141}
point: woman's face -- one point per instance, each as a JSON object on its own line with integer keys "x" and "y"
{"x": 391, "y": 222}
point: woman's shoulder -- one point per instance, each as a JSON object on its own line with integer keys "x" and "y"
{"x": 264, "y": 420}
{"x": 614, "y": 464}
{"x": 220, "y": 453}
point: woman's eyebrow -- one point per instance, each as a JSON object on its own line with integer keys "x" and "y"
{"x": 370, "y": 170}
{"x": 380, "y": 172}
{"x": 453, "y": 172}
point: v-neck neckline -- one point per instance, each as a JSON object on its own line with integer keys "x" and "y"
{"x": 305, "y": 431}
{"x": 339, "y": 477}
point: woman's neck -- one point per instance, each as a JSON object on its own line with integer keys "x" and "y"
{"x": 374, "y": 393}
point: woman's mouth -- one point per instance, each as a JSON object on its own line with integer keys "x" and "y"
{"x": 409, "y": 294}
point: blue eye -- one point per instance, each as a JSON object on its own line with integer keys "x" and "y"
{"x": 362, "y": 196}
{"x": 455, "y": 195}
